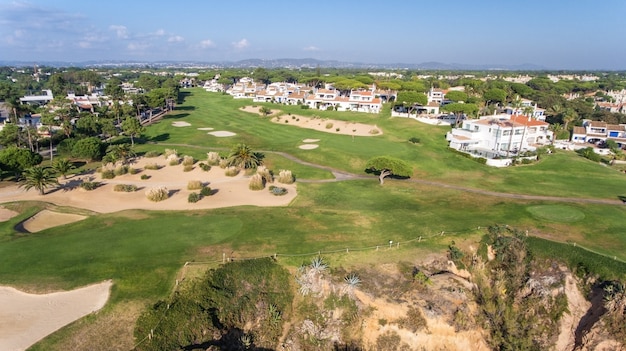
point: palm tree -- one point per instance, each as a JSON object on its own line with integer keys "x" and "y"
{"x": 62, "y": 166}
{"x": 243, "y": 157}
{"x": 120, "y": 152}
{"x": 38, "y": 177}
{"x": 569, "y": 116}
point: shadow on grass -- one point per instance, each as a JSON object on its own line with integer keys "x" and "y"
{"x": 185, "y": 108}
{"x": 622, "y": 198}
{"x": 160, "y": 137}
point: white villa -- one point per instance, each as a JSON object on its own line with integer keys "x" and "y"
{"x": 500, "y": 135}
{"x": 38, "y": 99}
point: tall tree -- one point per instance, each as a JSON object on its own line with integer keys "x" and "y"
{"x": 133, "y": 128}
{"x": 38, "y": 177}
{"x": 569, "y": 116}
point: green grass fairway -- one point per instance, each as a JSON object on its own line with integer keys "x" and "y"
{"x": 556, "y": 213}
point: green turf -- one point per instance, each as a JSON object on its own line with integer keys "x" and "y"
{"x": 556, "y": 213}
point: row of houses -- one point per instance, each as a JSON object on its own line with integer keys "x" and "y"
{"x": 368, "y": 100}
{"x": 597, "y": 132}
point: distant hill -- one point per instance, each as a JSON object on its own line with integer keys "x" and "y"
{"x": 279, "y": 63}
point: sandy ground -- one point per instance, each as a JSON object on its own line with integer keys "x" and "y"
{"x": 28, "y": 318}
{"x": 321, "y": 124}
{"x": 47, "y": 219}
{"x": 25, "y": 318}
{"x": 229, "y": 191}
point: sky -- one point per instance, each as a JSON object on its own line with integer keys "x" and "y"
{"x": 553, "y": 34}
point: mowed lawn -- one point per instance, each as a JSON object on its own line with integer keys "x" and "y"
{"x": 142, "y": 251}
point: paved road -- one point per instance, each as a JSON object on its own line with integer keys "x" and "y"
{"x": 341, "y": 175}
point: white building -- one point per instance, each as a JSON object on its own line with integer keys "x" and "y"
{"x": 499, "y": 135}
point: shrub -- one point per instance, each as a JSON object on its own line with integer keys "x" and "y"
{"x": 188, "y": 161}
{"x": 107, "y": 174}
{"x": 285, "y": 177}
{"x": 188, "y": 168}
{"x": 193, "y": 198}
{"x": 145, "y": 176}
{"x": 152, "y": 153}
{"x": 152, "y": 166}
{"x": 170, "y": 152}
{"x": 231, "y": 171}
{"x": 374, "y": 131}
{"x": 337, "y": 129}
{"x": 256, "y": 182}
{"x": 304, "y": 107}
{"x": 223, "y": 163}
{"x": 132, "y": 170}
{"x": 414, "y": 140}
{"x": 205, "y": 167}
{"x": 89, "y": 185}
{"x": 286, "y": 121}
{"x": 265, "y": 173}
{"x": 330, "y": 108}
{"x": 128, "y": 188}
{"x": 194, "y": 185}
{"x": 589, "y": 154}
{"x": 121, "y": 170}
{"x": 205, "y": 191}
{"x": 173, "y": 160}
{"x": 157, "y": 194}
{"x": 213, "y": 158}
{"x": 329, "y": 125}
{"x": 277, "y": 190}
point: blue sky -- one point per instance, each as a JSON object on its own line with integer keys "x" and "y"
{"x": 555, "y": 34}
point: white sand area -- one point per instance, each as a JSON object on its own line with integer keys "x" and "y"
{"x": 180, "y": 124}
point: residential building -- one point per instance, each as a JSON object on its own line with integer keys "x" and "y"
{"x": 499, "y": 135}
{"x": 38, "y": 99}
{"x": 597, "y": 131}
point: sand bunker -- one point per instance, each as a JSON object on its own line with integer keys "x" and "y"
{"x": 308, "y": 146}
{"x": 206, "y": 128}
{"x": 329, "y": 125}
{"x": 310, "y": 140}
{"x": 180, "y": 124}
{"x": 6, "y": 214}
{"x": 257, "y": 110}
{"x": 28, "y": 318}
{"x": 47, "y": 219}
{"x": 222, "y": 133}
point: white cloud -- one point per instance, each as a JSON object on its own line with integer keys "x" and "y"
{"x": 175, "y": 39}
{"x": 207, "y": 44}
{"x": 121, "y": 31}
{"x": 311, "y": 48}
{"x": 243, "y": 43}
{"x": 159, "y": 33}
{"x": 137, "y": 46}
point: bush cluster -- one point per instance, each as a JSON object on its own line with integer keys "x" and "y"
{"x": 89, "y": 185}
{"x": 231, "y": 171}
{"x": 187, "y": 168}
{"x": 107, "y": 174}
{"x": 188, "y": 161}
{"x": 157, "y": 194}
{"x": 194, "y": 185}
{"x": 193, "y": 198}
{"x": 152, "y": 153}
{"x": 285, "y": 177}
{"x": 329, "y": 125}
{"x": 127, "y": 188}
{"x": 152, "y": 166}
{"x": 480, "y": 160}
{"x": 205, "y": 191}
{"x": 213, "y": 158}
{"x": 121, "y": 170}
{"x": 205, "y": 167}
{"x": 277, "y": 190}
{"x": 145, "y": 176}
{"x": 256, "y": 182}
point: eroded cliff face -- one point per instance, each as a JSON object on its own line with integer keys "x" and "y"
{"x": 433, "y": 305}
